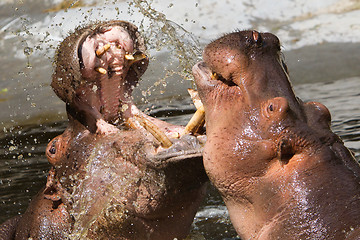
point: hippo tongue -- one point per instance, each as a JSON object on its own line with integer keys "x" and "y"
{"x": 111, "y": 94}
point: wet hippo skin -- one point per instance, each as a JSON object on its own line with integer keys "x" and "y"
{"x": 281, "y": 171}
{"x": 116, "y": 172}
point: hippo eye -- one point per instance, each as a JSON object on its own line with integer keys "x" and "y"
{"x": 52, "y": 150}
{"x": 271, "y": 108}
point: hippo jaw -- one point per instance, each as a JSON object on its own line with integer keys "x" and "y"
{"x": 125, "y": 184}
{"x": 244, "y": 80}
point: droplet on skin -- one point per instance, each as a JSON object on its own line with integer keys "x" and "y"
{"x": 124, "y": 107}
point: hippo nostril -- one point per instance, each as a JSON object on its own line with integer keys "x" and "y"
{"x": 286, "y": 151}
{"x": 271, "y": 107}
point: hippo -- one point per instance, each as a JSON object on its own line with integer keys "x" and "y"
{"x": 282, "y": 172}
{"x": 116, "y": 172}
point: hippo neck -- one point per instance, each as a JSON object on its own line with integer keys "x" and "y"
{"x": 306, "y": 202}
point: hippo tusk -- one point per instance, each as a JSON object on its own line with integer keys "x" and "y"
{"x": 155, "y": 131}
{"x": 198, "y": 119}
{"x": 195, "y": 97}
{"x": 132, "y": 123}
{"x": 196, "y": 122}
{"x": 133, "y": 58}
{"x": 101, "y": 70}
{"x": 129, "y": 57}
{"x": 102, "y": 50}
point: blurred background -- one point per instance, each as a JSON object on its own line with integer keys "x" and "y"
{"x": 320, "y": 40}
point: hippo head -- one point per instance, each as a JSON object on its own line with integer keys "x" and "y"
{"x": 270, "y": 155}
{"x": 96, "y": 69}
{"x": 248, "y": 99}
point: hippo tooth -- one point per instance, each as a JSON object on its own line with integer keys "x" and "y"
{"x": 133, "y": 58}
{"x": 139, "y": 56}
{"x": 155, "y": 131}
{"x": 102, "y": 50}
{"x": 101, "y": 70}
{"x": 214, "y": 76}
{"x": 195, "y": 97}
{"x": 129, "y": 57}
{"x": 196, "y": 121}
{"x": 132, "y": 124}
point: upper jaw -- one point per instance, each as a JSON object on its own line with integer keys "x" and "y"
{"x": 203, "y": 75}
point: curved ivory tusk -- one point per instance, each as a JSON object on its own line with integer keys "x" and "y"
{"x": 198, "y": 119}
{"x": 155, "y": 131}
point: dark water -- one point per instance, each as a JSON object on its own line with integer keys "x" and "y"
{"x": 23, "y": 166}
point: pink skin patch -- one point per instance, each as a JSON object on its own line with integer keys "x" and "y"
{"x": 109, "y": 83}
{"x": 105, "y": 128}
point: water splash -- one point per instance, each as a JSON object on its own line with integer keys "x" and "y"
{"x": 163, "y": 33}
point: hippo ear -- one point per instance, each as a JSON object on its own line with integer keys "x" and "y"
{"x": 275, "y": 108}
{"x": 317, "y": 114}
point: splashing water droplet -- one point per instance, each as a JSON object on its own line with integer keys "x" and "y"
{"x": 28, "y": 51}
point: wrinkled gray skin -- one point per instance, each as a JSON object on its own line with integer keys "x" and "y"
{"x": 282, "y": 172}
{"x": 117, "y": 184}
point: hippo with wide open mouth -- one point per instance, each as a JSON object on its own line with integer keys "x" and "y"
{"x": 116, "y": 172}
{"x": 282, "y": 172}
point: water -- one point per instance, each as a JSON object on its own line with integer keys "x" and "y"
{"x": 322, "y": 56}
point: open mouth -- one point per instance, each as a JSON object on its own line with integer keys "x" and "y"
{"x": 112, "y": 62}
{"x": 109, "y": 61}
{"x": 219, "y": 77}
{"x": 204, "y": 73}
